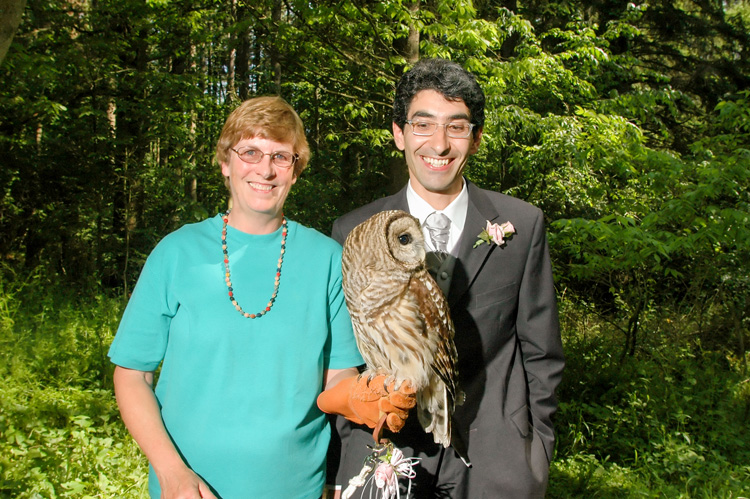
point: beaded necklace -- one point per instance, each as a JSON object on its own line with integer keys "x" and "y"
{"x": 225, "y": 218}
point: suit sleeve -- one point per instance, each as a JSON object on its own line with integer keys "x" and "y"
{"x": 337, "y": 232}
{"x": 539, "y": 333}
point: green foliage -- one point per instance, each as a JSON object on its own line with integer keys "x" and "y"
{"x": 671, "y": 231}
{"x": 66, "y": 443}
{"x": 662, "y": 425}
{"x": 60, "y": 432}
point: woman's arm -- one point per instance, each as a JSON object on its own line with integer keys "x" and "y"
{"x": 141, "y": 415}
{"x": 333, "y": 376}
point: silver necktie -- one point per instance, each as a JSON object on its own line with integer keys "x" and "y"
{"x": 439, "y": 227}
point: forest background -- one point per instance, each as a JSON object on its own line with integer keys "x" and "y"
{"x": 628, "y": 124}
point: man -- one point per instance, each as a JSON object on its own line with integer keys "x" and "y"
{"x": 501, "y": 297}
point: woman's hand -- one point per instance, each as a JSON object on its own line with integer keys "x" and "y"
{"x": 183, "y": 483}
{"x": 141, "y": 415}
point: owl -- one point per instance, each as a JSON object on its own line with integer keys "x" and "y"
{"x": 401, "y": 319}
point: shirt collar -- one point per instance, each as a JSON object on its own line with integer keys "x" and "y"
{"x": 456, "y": 211}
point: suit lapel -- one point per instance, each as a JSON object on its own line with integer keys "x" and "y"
{"x": 471, "y": 259}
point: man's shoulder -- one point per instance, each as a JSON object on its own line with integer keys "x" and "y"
{"x": 345, "y": 223}
{"x": 364, "y": 212}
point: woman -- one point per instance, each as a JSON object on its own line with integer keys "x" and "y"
{"x": 245, "y": 314}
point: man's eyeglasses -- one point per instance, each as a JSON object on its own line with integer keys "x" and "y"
{"x": 282, "y": 159}
{"x": 455, "y": 129}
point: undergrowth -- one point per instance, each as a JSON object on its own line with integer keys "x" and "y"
{"x": 669, "y": 422}
{"x": 60, "y": 432}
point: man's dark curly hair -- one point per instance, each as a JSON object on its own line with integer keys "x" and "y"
{"x": 445, "y": 77}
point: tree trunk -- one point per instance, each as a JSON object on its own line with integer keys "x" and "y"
{"x": 242, "y": 63}
{"x": 232, "y": 62}
{"x": 131, "y": 152}
{"x": 275, "y": 56}
{"x": 408, "y": 48}
{"x": 11, "y": 12}
{"x": 736, "y": 313}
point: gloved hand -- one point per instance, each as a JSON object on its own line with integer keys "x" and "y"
{"x": 364, "y": 402}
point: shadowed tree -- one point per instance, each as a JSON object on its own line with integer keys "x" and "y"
{"x": 11, "y": 12}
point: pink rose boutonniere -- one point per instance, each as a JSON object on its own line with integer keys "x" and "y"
{"x": 495, "y": 233}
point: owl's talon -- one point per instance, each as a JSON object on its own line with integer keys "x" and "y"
{"x": 378, "y": 430}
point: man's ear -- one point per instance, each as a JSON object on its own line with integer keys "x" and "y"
{"x": 398, "y": 136}
{"x": 476, "y": 139}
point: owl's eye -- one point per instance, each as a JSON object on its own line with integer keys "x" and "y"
{"x": 404, "y": 239}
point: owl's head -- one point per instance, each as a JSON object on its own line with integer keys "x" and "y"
{"x": 404, "y": 238}
{"x": 387, "y": 241}
{"x": 402, "y": 235}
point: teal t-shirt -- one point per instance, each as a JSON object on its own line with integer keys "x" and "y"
{"x": 238, "y": 395}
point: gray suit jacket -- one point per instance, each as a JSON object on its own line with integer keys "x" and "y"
{"x": 502, "y": 301}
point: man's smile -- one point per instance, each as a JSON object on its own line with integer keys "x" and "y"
{"x": 435, "y": 162}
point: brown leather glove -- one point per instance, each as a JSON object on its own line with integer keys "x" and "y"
{"x": 365, "y": 403}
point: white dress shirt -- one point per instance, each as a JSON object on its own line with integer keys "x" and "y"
{"x": 456, "y": 211}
